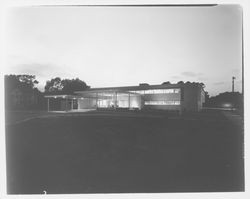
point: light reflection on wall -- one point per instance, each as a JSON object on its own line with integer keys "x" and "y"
{"x": 162, "y": 102}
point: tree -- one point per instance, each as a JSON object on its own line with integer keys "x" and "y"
{"x": 234, "y": 99}
{"x": 70, "y": 86}
{"x": 54, "y": 85}
{"x": 28, "y": 80}
{"x": 64, "y": 86}
{"x": 202, "y": 85}
{"x": 166, "y": 83}
{"x": 23, "y": 82}
{"x": 206, "y": 98}
{"x": 180, "y": 82}
{"x": 20, "y": 91}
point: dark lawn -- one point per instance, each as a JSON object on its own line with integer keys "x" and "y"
{"x": 95, "y": 153}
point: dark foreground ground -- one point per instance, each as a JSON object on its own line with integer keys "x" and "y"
{"x": 108, "y": 152}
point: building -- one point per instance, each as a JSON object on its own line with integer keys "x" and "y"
{"x": 180, "y": 97}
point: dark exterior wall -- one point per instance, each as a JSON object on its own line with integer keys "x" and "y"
{"x": 193, "y": 98}
{"x": 190, "y": 97}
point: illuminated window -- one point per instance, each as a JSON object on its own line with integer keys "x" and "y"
{"x": 139, "y": 92}
{"x": 162, "y": 102}
{"x": 176, "y": 90}
{"x": 157, "y": 91}
{"x": 149, "y": 91}
{"x": 177, "y": 102}
{"x": 168, "y": 91}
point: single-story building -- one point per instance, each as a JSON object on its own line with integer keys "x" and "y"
{"x": 181, "y": 97}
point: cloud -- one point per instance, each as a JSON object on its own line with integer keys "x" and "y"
{"x": 38, "y": 69}
{"x": 191, "y": 74}
{"x": 202, "y": 78}
{"x": 175, "y": 77}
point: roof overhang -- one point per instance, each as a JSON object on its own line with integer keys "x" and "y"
{"x": 63, "y": 96}
{"x": 131, "y": 88}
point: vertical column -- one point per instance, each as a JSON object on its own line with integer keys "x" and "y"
{"x": 102, "y": 97}
{"x": 96, "y": 100}
{"x": 140, "y": 101}
{"x": 66, "y": 105}
{"x": 115, "y": 100}
{"x": 72, "y": 104}
{"x": 129, "y": 101}
{"x": 180, "y": 111}
{"x": 233, "y": 78}
{"x": 78, "y": 103}
{"x": 48, "y": 104}
{"x": 181, "y": 100}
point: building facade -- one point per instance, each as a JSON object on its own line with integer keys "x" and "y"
{"x": 180, "y": 97}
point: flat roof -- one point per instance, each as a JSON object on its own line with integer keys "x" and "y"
{"x": 87, "y": 94}
{"x": 131, "y": 88}
{"x": 124, "y": 89}
{"x": 63, "y": 96}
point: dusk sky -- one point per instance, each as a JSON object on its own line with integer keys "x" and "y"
{"x": 124, "y": 46}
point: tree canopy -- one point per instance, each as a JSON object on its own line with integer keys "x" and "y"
{"x": 233, "y": 98}
{"x": 180, "y": 82}
{"x": 64, "y": 86}
{"x": 21, "y": 92}
{"x": 22, "y": 82}
{"x": 54, "y": 85}
{"x": 166, "y": 83}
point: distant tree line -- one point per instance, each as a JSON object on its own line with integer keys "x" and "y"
{"x": 21, "y": 92}
{"x": 186, "y": 83}
{"x": 226, "y": 99}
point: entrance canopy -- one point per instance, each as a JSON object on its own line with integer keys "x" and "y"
{"x": 62, "y": 102}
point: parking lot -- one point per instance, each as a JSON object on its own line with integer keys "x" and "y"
{"x": 124, "y": 152}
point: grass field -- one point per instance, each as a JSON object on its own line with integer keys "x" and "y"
{"x": 112, "y": 152}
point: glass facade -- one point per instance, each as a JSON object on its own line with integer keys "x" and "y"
{"x": 132, "y": 99}
{"x": 118, "y": 100}
{"x": 136, "y": 97}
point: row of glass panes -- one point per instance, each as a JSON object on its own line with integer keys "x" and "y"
{"x": 157, "y": 91}
{"x": 162, "y": 102}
